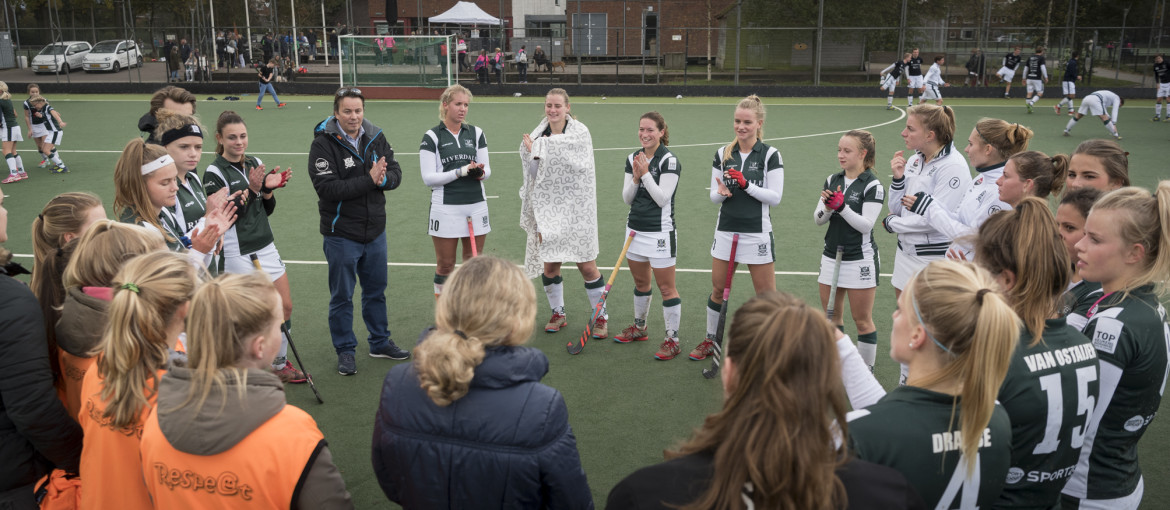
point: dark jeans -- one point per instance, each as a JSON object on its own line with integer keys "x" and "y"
{"x": 350, "y": 261}
{"x": 482, "y": 75}
{"x": 499, "y": 76}
{"x": 523, "y": 69}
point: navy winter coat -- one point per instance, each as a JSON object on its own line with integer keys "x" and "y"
{"x": 506, "y": 444}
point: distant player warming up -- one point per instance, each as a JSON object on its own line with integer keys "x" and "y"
{"x": 914, "y": 77}
{"x": 1099, "y": 103}
{"x": 933, "y": 81}
{"x": 1068, "y": 84}
{"x": 889, "y": 78}
{"x": 54, "y": 129}
{"x": 1008, "y": 72}
{"x": 1162, "y": 73}
{"x": 1035, "y": 76}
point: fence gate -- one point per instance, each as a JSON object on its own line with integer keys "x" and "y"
{"x": 589, "y": 33}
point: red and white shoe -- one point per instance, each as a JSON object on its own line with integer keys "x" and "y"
{"x": 555, "y": 323}
{"x": 600, "y": 328}
{"x": 631, "y": 334}
{"x": 1057, "y": 108}
{"x": 289, "y": 374}
{"x": 705, "y": 348}
{"x": 11, "y": 179}
{"x": 668, "y": 350}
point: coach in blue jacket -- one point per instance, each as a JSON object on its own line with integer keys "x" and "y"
{"x": 468, "y": 424}
{"x": 352, "y": 165}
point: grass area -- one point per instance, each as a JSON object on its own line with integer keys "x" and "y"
{"x": 624, "y": 406}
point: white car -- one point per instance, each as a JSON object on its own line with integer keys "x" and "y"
{"x": 112, "y": 55}
{"x": 60, "y": 57}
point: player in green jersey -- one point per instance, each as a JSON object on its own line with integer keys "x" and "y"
{"x": 1126, "y": 248}
{"x": 651, "y": 177}
{"x": 145, "y": 187}
{"x": 1070, "y": 218}
{"x": 747, "y": 180}
{"x": 944, "y": 429}
{"x": 850, "y": 203}
{"x": 453, "y": 159}
{"x": 1053, "y": 381}
{"x": 9, "y": 135}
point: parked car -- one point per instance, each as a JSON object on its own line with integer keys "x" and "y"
{"x": 113, "y": 55}
{"x": 60, "y": 57}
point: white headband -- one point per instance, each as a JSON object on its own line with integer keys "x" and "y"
{"x": 165, "y": 160}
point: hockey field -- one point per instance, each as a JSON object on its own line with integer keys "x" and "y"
{"x": 625, "y": 407}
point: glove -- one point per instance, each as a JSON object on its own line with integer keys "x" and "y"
{"x": 241, "y": 203}
{"x": 737, "y": 177}
{"x": 921, "y": 202}
{"x": 264, "y": 189}
{"x": 475, "y": 173}
{"x": 886, "y": 224}
{"x": 836, "y": 201}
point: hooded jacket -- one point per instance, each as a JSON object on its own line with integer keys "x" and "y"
{"x": 79, "y": 331}
{"x": 351, "y": 204}
{"x": 147, "y": 124}
{"x": 506, "y": 444}
{"x": 35, "y": 432}
{"x": 224, "y": 422}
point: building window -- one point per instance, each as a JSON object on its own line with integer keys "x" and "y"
{"x": 545, "y": 29}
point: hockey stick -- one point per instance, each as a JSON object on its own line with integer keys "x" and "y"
{"x": 714, "y": 370}
{"x": 291, "y": 345}
{"x": 575, "y": 347}
{"x": 471, "y": 233}
{"x": 829, "y": 310}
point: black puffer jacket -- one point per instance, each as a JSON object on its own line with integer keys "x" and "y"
{"x": 36, "y": 433}
{"x": 351, "y": 204}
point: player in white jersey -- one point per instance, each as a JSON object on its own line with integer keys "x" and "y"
{"x": 651, "y": 178}
{"x": 1099, "y": 103}
{"x": 54, "y": 129}
{"x": 934, "y": 81}
{"x": 453, "y": 159}
{"x": 32, "y": 121}
{"x": 1032, "y": 174}
{"x": 1035, "y": 76}
{"x": 1126, "y": 250}
{"x": 989, "y": 146}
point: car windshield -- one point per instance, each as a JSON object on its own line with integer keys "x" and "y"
{"x": 105, "y": 47}
{"x": 56, "y": 49}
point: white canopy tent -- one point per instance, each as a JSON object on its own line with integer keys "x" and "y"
{"x": 465, "y": 13}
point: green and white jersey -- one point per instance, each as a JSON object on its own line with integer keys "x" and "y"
{"x": 915, "y": 431}
{"x": 1133, "y": 343}
{"x": 47, "y": 118}
{"x": 747, "y": 211}
{"x": 1049, "y": 393}
{"x": 251, "y": 232}
{"x": 442, "y": 152}
{"x": 1076, "y": 302}
{"x": 170, "y": 228}
{"x": 645, "y": 213}
{"x": 190, "y": 203}
{"x": 865, "y": 189}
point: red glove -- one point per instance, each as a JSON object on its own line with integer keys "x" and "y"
{"x": 836, "y": 201}
{"x": 284, "y": 178}
{"x": 737, "y": 176}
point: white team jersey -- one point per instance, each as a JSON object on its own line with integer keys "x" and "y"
{"x": 934, "y": 75}
{"x": 979, "y": 202}
{"x": 944, "y": 178}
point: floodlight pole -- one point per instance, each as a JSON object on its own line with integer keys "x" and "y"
{"x": 1121, "y": 44}
{"x": 248, "y": 22}
{"x": 296, "y": 40}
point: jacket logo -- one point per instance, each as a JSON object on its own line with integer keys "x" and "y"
{"x": 226, "y": 483}
{"x": 954, "y": 183}
{"x": 188, "y": 204}
{"x": 446, "y": 144}
{"x": 349, "y": 162}
{"x": 321, "y": 164}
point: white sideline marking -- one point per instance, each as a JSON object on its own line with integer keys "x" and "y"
{"x": 567, "y": 266}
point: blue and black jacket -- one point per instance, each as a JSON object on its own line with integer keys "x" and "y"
{"x": 351, "y": 204}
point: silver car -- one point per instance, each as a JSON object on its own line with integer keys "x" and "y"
{"x": 61, "y": 57}
{"x": 112, "y": 55}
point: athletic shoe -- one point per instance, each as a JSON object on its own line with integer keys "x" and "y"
{"x": 21, "y": 174}
{"x": 668, "y": 350}
{"x": 59, "y": 169}
{"x": 289, "y": 374}
{"x": 10, "y": 179}
{"x": 1005, "y": 96}
{"x": 1029, "y": 107}
{"x": 389, "y": 351}
{"x": 555, "y": 323}
{"x": 258, "y": 107}
{"x": 631, "y": 334}
{"x": 1166, "y": 118}
{"x": 1155, "y": 119}
{"x": 1117, "y": 137}
{"x": 1066, "y": 133}
{"x": 1072, "y": 113}
{"x": 889, "y": 107}
{"x": 281, "y": 105}
{"x": 600, "y": 328}
{"x": 1057, "y": 108}
{"x": 64, "y": 169}
{"x": 703, "y": 350}
{"x": 44, "y": 163}
{"x": 346, "y": 364}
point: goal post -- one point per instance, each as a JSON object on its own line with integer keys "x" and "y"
{"x": 396, "y": 61}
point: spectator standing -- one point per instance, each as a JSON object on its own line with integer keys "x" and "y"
{"x": 522, "y": 64}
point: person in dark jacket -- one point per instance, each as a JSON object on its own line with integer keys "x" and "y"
{"x": 36, "y": 434}
{"x": 770, "y": 445}
{"x": 176, "y": 99}
{"x": 468, "y": 424}
{"x": 352, "y": 166}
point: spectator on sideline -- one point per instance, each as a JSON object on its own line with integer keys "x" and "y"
{"x": 36, "y": 434}
{"x": 468, "y": 424}
{"x": 352, "y": 166}
{"x": 173, "y": 98}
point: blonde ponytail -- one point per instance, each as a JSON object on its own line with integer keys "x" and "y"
{"x": 486, "y": 302}
{"x": 1146, "y": 222}
{"x": 979, "y": 345}
{"x": 753, "y": 104}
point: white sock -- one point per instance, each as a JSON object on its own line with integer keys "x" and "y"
{"x": 1157, "y": 109}
{"x": 19, "y": 163}
{"x": 889, "y": 100}
{"x": 1070, "y": 104}
{"x": 867, "y": 347}
{"x": 554, "y": 289}
{"x": 56, "y": 158}
{"x": 712, "y": 317}
{"x": 595, "y": 289}
{"x": 642, "y": 307}
{"x": 672, "y": 316}
{"x": 1071, "y": 122}
{"x": 1111, "y": 128}
{"x": 11, "y": 164}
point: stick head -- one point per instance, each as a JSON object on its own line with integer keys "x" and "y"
{"x": 575, "y": 347}
{"x": 710, "y": 373}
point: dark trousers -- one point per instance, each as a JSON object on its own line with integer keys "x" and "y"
{"x": 20, "y": 498}
{"x": 522, "y": 67}
{"x": 350, "y": 261}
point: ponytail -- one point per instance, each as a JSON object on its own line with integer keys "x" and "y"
{"x": 939, "y": 119}
{"x": 1026, "y": 241}
{"x": 148, "y": 292}
{"x": 1046, "y": 173}
{"x": 1146, "y": 222}
{"x": 978, "y": 345}
{"x": 130, "y": 185}
{"x": 753, "y": 104}
{"x": 468, "y": 319}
